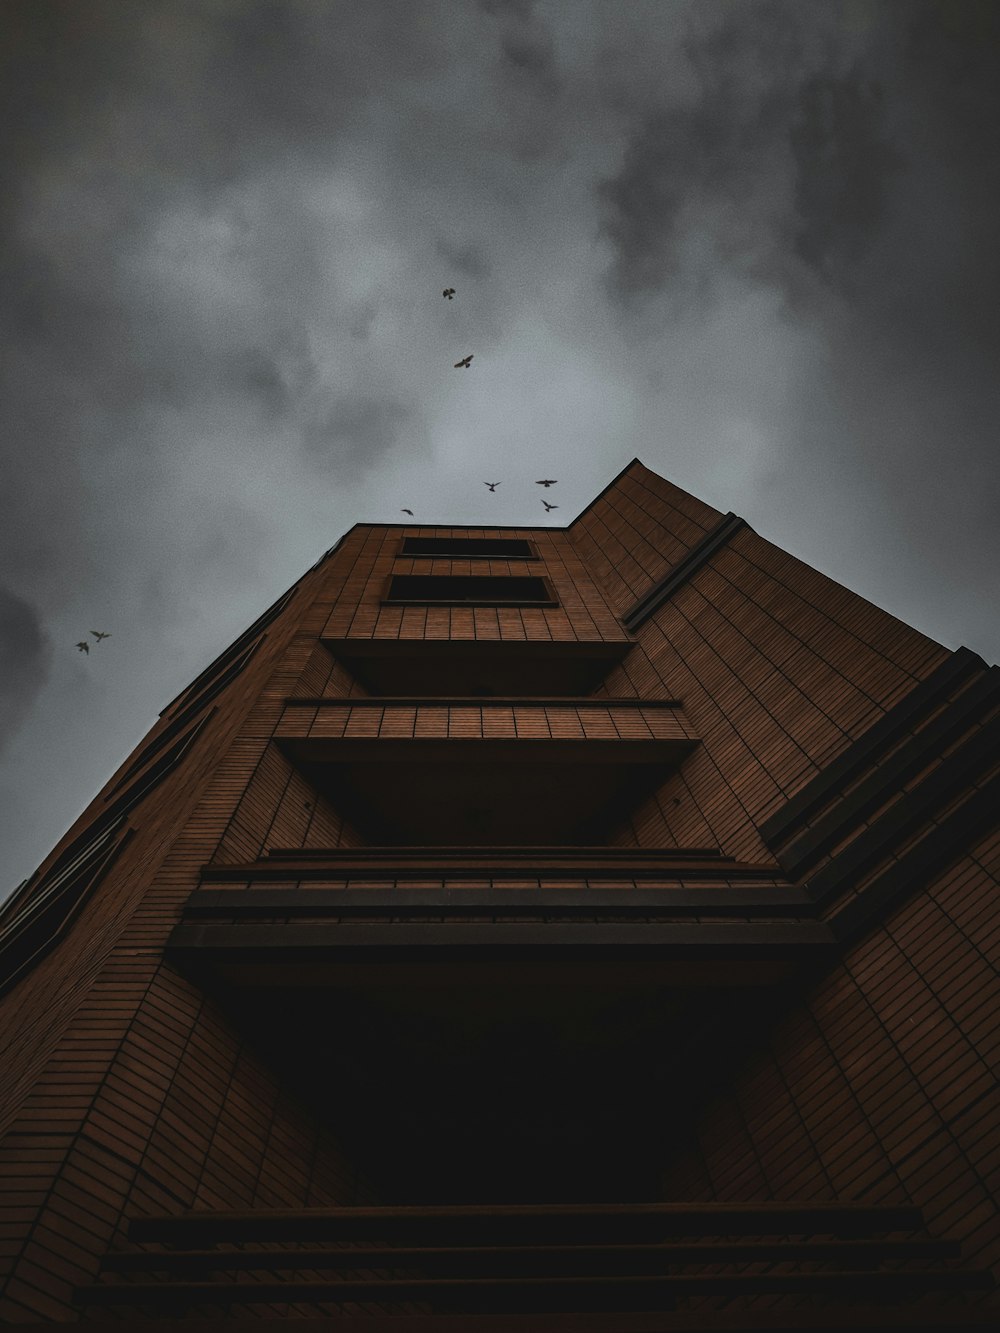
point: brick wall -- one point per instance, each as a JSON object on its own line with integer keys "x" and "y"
{"x": 123, "y": 1088}
{"x": 778, "y": 667}
{"x": 126, "y": 1090}
{"x": 879, "y": 1081}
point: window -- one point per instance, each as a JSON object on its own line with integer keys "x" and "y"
{"x": 235, "y": 651}
{"x": 504, "y": 548}
{"x": 154, "y": 747}
{"x": 471, "y": 590}
{"x": 158, "y": 771}
{"x": 42, "y": 911}
{"x": 215, "y": 684}
{"x": 32, "y": 924}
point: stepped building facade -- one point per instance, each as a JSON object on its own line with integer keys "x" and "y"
{"x": 524, "y": 929}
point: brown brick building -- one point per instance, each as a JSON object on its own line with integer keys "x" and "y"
{"x": 524, "y": 929}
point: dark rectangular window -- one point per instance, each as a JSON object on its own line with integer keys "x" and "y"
{"x": 41, "y": 911}
{"x": 44, "y": 914}
{"x": 234, "y": 651}
{"x": 509, "y": 548}
{"x": 471, "y": 589}
{"x": 155, "y": 773}
{"x": 154, "y": 747}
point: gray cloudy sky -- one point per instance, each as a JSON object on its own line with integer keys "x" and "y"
{"x": 753, "y": 242}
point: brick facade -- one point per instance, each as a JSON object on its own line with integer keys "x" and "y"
{"x": 803, "y": 788}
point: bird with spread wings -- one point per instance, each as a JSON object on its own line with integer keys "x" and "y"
{"x": 99, "y": 635}
{"x": 547, "y": 481}
{"x": 492, "y": 485}
{"x": 465, "y": 363}
{"x": 83, "y": 646}
{"x": 549, "y": 507}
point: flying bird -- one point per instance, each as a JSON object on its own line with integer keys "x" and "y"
{"x": 465, "y": 362}
{"x": 407, "y": 511}
{"x": 548, "y": 481}
{"x": 448, "y": 293}
{"x": 492, "y": 485}
{"x": 83, "y": 646}
{"x": 548, "y": 506}
{"x": 99, "y": 635}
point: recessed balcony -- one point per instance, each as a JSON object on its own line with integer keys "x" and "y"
{"x": 484, "y": 772}
{"x": 438, "y": 915}
{"x": 501, "y": 1014}
{"x": 479, "y": 667}
{"x": 491, "y": 1047}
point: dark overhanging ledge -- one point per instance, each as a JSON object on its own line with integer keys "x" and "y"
{"x": 485, "y": 790}
{"x": 559, "y": 650}
{"x": 914, "y": 808}
{"x": 418, "y": 862}
{"x": 577, "y": 853}
{"x": 531, "y": 1223}
{"x": 588, "y": 752}
{"x": 422, "y": 900}
{"x": 893, "y": 725}
{"x": 713, "y": 540}
{"x": 483, "y": 668}
{"x": 527, "y": 1259}
{"x": 477, "y": 701}
{"x": 434, "y": 942}
{"x": 892, "y": 775}
{"x": 943, "y": 844}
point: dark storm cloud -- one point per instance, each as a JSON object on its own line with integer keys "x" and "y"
{"x": 214, "y": 87}
{"x": 772, "y": 155}
{"x": 25, "y": 655}
{"x": 134, "y": 286}
{"x": 173, "y": 315}
{"x": 184, "y": 191}
{"x": 679, "y": 162}
{"x": 842, "y": 171}
{"x": 846, "y": 158}
{"x": 798, "y": 148}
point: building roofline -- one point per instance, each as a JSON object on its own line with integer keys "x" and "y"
{"x": 500, "y": 527}
{"x": 602, "y": 493}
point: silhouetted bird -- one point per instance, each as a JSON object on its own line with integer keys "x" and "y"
{"x": 492, "y": 485}
{"x": 464, "y": 363}
{"x": 407, "y": 511}
{"x": 448, "y": 293}
{"x": 83, "y": 646}
{"x": 548, "y": 506}
{"x": 99, "y": 635}
{"x": 549, "y": 481}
